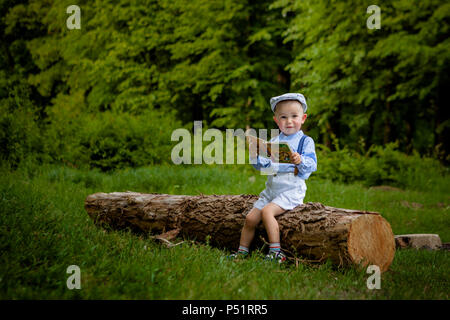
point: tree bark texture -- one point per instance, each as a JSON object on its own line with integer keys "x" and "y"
{"x": 311, "y": 230}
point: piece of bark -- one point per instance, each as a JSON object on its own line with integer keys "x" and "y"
{"x": 418, "y": 241}
{"x": 311, "y": 230}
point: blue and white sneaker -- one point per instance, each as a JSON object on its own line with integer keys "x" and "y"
{"x": 237, "y": 255}
{"x": 275, "y": 256}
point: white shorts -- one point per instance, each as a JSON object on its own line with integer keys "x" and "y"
{"x": 284, "y": 189}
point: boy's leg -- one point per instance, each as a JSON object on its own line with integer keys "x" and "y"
{"x": 268, "y": 214}
{"x": 252, "y": 219}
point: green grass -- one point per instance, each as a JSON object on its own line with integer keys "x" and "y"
{"x": 44, "y": 229}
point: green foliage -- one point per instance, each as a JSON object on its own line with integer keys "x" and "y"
{"x": 111, "y": 140}
{"x": 19, "y": 130}
{"x": 381, "y": 166}
{"x": 211, "y": 59}
{"x": 380, "y": 85}
{"x": 220, "y": 62}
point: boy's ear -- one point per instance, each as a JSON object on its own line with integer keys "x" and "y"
{"x": 275, "y": 119}
{"x": 304, "y": 118}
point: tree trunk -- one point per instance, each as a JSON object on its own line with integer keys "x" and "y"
{"x": 311, "y": 230}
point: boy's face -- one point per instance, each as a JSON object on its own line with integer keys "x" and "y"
{"x": 289, "y": 117}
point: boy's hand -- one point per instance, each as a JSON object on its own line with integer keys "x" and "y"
{"x": 295, "y": 158}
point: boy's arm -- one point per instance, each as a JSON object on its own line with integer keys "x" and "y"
{"x": 260, "y": 162}
{"x": 308, "y": 157}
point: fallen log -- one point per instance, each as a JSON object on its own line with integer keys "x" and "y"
{"x": 311, "y": 230}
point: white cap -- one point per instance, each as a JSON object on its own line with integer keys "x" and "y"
{"x": 289, "y": 96}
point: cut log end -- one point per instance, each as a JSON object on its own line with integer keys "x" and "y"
{"x": 371, "y": 242}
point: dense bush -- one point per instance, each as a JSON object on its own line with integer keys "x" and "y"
{"x": 380, "y": 166}
{"x": 111, "y": 140}
{"x": 19, "y": 130}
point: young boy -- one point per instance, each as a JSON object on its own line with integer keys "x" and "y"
{"x": 284, "y": 189}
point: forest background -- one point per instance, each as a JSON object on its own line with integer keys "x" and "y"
{"x": 110, "y": 94}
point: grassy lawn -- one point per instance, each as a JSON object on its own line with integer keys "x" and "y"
{"x": 44, "y": 229}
